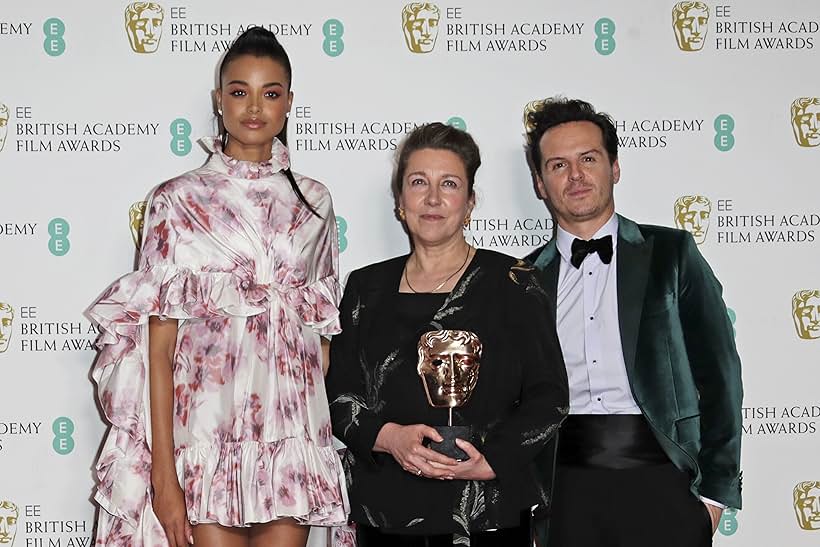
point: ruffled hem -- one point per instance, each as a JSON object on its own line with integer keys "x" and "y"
{"x": 233, "y": 484}
{"x": 242, "y": 483}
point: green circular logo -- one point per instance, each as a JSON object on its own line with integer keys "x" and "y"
{"x": 63, "y": 429}
{"x": 724, "y": 137}
{"x": 181, "y": 137}
{"x": 605, "y": 36}
{"x": 728, "y": 524}
{"x": 341, "y": 227}
{"x": 58, "y": 243}
{"x": 333, "y": 45}
{"x": 457, "y": 122}
{"x": 54, "y": 29}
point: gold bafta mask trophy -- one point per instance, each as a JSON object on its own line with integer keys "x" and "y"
{"x": 448, "y": 366}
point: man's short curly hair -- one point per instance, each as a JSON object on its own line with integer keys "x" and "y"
{"x": 541, "y": 116}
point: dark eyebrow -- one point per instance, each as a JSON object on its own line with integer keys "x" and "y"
{"x": 243, "y": 82}
{"x": 584, "y": 153}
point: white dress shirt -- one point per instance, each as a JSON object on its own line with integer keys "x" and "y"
{"x": 589, "y": 331}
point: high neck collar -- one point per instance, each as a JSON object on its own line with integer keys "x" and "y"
{"x": 220, "y": 161}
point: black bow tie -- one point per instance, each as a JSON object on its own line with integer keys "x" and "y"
{"x": 581, "y": 248}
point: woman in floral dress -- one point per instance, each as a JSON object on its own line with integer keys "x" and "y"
{"x": 211, "y": 363}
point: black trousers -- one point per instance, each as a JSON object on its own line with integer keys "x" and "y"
{"x": 367, "y": 536}
{"x": 639, "y": 507}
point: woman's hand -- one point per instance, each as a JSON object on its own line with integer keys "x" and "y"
{"x": 475, "y": 469}
{"x": 403, "y": 442}
{"x": 169, "y": 507}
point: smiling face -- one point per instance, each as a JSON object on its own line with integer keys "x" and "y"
{"x": 576, "y": 177}
{"x": 435, "y": 197}
{"x": 255, "y": 99}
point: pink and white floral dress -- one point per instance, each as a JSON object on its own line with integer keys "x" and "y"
{"x": 251, "y": 274}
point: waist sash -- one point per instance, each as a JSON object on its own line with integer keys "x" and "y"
{"x": 608, "y": 441}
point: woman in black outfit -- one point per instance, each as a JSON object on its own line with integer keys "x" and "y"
{"x": 401, "y": 492}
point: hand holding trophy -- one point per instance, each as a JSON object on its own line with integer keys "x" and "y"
{"x": 448, "y": 365}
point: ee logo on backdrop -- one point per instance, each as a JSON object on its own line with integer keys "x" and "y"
{"x": 333, "y": 30}
{"x": 63, "y": 429}
{"x": 181, "y": 137}
{"x": 605, "y": 36}
{"x": 58, "y": 243}
{"x": 54, "y": 29}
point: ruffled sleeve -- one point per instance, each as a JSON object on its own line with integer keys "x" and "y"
{"x": 122, "y": 311}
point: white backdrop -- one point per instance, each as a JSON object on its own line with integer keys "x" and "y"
{"x": 90, "y": 125}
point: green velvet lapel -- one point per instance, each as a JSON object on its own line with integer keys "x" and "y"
{"x": 549, "y": 263}
{"x": 634, "y": 255}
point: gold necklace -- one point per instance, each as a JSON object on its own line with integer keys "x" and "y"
{"x": 440, "y": 285}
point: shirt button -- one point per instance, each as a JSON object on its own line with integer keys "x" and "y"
{"x": 599, "y": 398}
{"x": 590, "y": 273}
{"x": 591, "y": 318}
{"x": 594, "y": 361}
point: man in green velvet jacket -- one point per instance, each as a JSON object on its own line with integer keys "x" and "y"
{"x": 650, "y": 454}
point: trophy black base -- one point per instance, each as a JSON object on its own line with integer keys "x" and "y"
{"x": 448, "y": 446}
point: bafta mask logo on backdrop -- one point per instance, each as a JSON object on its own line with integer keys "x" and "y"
{"x": 8, "y": 523}
{"x": 419, "y": 21}
{"x": 807, "y": 504}
{"x": 530, "y": 108}
{"x": 692, "y": 214}
{"x": 143, "y": 24}
{"x": 690, "y": 21}
{"x": 806, "y": 121}
{"x": 136, "y": 216}
{"x": 806, "y": 314}
{"x": 4, "y": 124}
{"x": 6, "y": 325}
